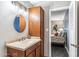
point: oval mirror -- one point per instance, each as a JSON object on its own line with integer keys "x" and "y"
{"x": 19, "y": 23}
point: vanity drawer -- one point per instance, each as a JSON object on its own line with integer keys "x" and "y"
{"x": 14, "y": 52}
{"x": 31, "y": 49}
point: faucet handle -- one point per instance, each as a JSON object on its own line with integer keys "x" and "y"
{"x": 23, "y": 38}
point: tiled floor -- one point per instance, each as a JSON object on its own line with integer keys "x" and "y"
{"x": 58, "y": 51}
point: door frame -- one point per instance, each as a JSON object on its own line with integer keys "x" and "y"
{"x": 73, "y": 29}
{"x": 50, "y": 33}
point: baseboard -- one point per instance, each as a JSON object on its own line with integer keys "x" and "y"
{"x": 67, "y": 50}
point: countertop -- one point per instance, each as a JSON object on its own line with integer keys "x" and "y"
{"x": 23, "y": 45}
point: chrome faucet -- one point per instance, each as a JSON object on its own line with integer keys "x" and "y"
{"x": 23, "y": 38}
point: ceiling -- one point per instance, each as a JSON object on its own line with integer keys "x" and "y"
{"x": 51, "y": 4}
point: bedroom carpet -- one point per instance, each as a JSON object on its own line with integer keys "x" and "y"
{"x": 58, "y": 51}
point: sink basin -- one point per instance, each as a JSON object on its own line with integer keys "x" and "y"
{"x": 23, "y": 44}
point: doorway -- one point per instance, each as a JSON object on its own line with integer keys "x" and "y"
{"x": 59, "y": 24}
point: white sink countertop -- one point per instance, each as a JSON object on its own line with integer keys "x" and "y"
{"x": 23, "y": 45}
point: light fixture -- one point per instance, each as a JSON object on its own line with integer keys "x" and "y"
{"x": 20, "y": 5}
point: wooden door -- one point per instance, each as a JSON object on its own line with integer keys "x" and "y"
{"x": 32, "y": 54}
{"x": 38, "y": 52}
{"x": 34, "y": 21}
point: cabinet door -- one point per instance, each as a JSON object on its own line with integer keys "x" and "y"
{"x": 14, "y": 52}
{"x": 32, "y": 54}
{"x": 34, "y": 21}
{"x": 38, "y": 53}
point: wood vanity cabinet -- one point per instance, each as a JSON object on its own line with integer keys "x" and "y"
{"x": 33, "y": 51}
{"x": 36, "y": 24}
{"x": 11, "y": 52}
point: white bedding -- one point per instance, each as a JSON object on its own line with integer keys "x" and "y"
{"x": 55, "y": 39}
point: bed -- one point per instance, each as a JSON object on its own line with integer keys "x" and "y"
{"x": 58, "y": 39}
